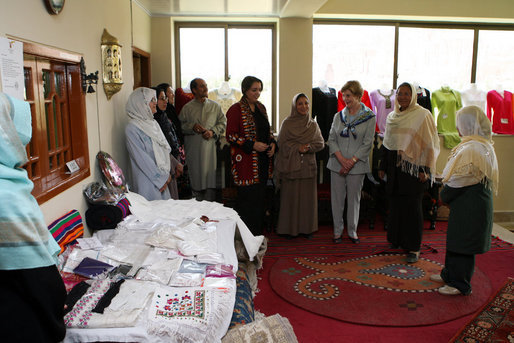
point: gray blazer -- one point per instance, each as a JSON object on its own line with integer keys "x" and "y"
{"x": 359, "y": 147}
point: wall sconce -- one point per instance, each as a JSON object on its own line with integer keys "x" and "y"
{"x": 111, "y": 61}
{"x": 88, "y": 80}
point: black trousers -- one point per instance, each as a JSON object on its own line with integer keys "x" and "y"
{"x": 32, "y": 305}
{"x": 458, "y": 271}
{"x": 405, "y": 221}
{"x": 251, "y": 206}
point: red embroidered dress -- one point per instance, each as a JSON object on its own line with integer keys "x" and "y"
{"x": 241, "y": 133}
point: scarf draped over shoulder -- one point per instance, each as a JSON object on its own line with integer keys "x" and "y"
{"x": 141, "y": 116}
{"x": 413, "y": 133}
{"x": 474, "y": 159}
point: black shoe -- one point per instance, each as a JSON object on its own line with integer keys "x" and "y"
{"x": 412, "y": 257}
{"x": 354, "y": 240}
{"x": 337, "y": 240}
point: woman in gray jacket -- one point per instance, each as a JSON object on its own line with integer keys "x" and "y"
{"x": 349, "y": 141}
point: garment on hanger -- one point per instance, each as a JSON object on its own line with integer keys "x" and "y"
{"x": 474, "y": 96}
{"x": 225, "y": 97}
{"x": 424, "y": 98}
{"x": 500, "y": 111}
{"x": 324, "y": 106}
{"x": 382, "y": 103}
{"x": 445, "y": 103}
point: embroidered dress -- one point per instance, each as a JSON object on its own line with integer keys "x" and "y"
{"x": 382, "y": 104}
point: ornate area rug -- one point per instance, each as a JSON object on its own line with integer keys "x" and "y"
{"x": 381, "y": 290}
{"x": 495, "y": 323}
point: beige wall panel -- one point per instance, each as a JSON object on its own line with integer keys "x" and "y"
{"x": 497, "y": 9}
{"x": 162, "y": 47}
{"x": 294, "y": 62}
{"x": 142, "y": 27}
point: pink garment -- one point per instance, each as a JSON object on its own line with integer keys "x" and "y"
{"x": 499, "y": 112}
{"x": 382, "y": 107}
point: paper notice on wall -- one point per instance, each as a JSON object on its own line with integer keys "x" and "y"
{"x": 11, "y": 68}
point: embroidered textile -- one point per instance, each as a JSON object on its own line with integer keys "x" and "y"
{"x": 81, "y": 313}
{"x": 190, "y": 306}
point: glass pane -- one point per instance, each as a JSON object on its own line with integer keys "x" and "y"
{"x": 202, "y": 54}
{"x": 27, "y": 73}
{"x": 56, "y": 126}
{"x": 59, "y": 81}
{"x": 435, "y": 57}
{"x": 495, "y": 61}
{"x": 46, "y": 83}
{"x": 353, "y": 52}
{"x": 240, "y": 41}
{"x": 48, "y": 118}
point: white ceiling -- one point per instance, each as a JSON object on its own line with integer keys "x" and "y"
{"x": 232, "y": 8}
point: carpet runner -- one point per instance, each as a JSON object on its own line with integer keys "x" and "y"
{"x": 381, "y": 290}
{"x": 495, "y": 323}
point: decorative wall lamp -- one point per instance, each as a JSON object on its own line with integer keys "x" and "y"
{"x": 111, "y": 61}
{"x": 88, "y": 80}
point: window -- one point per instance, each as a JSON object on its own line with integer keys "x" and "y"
{"x": 59, "y": 135}
{"x": 495, "y": 62}
{"x": 430, "y": 54}
{"x": 222, "y": 52}
{"x": 353, "y": 52}
{"x": 433, "y": 57}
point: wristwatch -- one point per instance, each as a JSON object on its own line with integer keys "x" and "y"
{"x": 354, "y": 159}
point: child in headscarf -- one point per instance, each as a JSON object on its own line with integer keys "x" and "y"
{"x": 470, "y": 178}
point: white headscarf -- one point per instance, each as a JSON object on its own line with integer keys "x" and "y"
{"x": 413, "y": 133}
{"x": 473, "y": 160}
{"x": 138, "y": 110}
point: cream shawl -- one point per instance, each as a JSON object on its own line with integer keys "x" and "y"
{"x": 473, "y": 160}
{"x": 413, "y": 133}
{"x": 141, "y": 115}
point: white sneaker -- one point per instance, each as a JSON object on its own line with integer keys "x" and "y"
{"x": 436, "y": 278}
{"x": 448, "y": 290}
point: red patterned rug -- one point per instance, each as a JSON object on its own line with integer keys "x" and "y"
{"x": 495, "y": 323}
{"x": 379, "y": 290}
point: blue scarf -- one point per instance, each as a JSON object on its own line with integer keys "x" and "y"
{"x": 364, "y": 115}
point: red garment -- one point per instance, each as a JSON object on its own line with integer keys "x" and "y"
{"x": 500, "y": 112}
{"x": 366, "y": 100}
{"x": 182, "y": 98}
{"x": 240, "y": 130}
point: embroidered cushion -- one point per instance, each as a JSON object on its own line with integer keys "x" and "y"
{"x": 275, "y": 328}
{"x": 67, "y": 229}
{"x": 243, "y": 308}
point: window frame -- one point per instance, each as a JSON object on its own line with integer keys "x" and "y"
{"x": 49, "y": 182}
{"x": 226, "y": 26}
{"x": 476, "y": 27}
